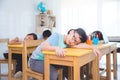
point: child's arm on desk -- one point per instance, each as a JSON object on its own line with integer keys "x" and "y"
{"x": 86, "y": 46}
{"x": 59, "y": 51}
{"x": 15, "y": 41}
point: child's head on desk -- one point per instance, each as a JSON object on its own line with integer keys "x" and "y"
{"x": 76, "y": 36}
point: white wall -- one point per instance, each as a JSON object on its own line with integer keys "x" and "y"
{"x": 17, "y": 17}
{"x": 91, "y": 15}
{"x": 79, "y": 13}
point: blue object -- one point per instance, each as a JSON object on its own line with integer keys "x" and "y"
{"x": 41, "y": 7}
{"x": 95, "y": 40}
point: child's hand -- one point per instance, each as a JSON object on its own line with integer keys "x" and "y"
{"x": 15, "y": 40}
{"x": 97, "y": 52}
{"x": 60, "y": 51}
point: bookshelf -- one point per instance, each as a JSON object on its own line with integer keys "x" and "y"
{"x": 45, "y": 21}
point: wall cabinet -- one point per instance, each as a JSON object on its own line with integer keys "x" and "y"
{"x": 44, "y": 21}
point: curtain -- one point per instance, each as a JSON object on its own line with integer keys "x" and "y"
{"x": 91, "y": 15}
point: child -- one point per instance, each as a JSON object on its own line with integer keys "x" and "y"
{"x": 82, "y": 44}
{"x": 55, "y": 42}
{"x": 18, "y": 57}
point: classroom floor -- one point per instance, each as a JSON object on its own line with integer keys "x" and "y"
{"x": 118, "y": 74}
{"x": 4, "y": 69}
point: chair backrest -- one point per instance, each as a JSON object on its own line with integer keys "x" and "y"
{"x": 29, "y": 47}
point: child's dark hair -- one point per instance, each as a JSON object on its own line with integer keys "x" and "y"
{"x": 82, "y": 33}
{"x": 46, "y": 33}
{"x": 34, "y": 35}
{"x": 69, "y": 31}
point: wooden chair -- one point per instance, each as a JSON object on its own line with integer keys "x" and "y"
{"x": 5, "y": 61}
{"x": 29, "y": 47}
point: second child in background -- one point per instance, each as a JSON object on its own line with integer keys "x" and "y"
{"x": 18, "y": 57}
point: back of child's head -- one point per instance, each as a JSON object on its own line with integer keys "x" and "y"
{"x": 46, "y": 33}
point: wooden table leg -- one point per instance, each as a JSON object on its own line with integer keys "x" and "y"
{"x": 108, "y": 67}
{"x": 46, "y": 68}
{"x": 10, "y": 65}
{"x": 115, "y": 64}
{"x": 24, "y": 66}
{"x": 76, "y": 69}
{"x": 95, "y": 69}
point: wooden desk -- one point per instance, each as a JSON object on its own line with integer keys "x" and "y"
{"x": 79, "y": 57}
{"x": 74, "y": 57}
{"x": 106, "y": 49}
{"x": 23, "y": 49}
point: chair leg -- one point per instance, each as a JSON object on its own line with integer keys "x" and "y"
{"x": 82, "y": 72}
{"x": 70, "y": 71}
{"x": 14, "y": 66}
{"x": 60, "y": 74}
{"x": 88, "y": 71}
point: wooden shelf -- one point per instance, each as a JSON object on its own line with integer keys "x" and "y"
{"x": 45, "y": 21}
